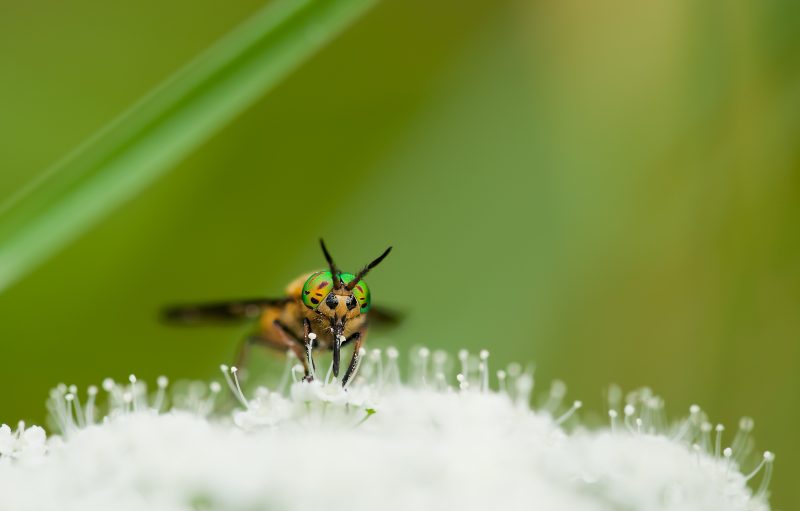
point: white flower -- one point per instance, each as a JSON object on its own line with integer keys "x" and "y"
{"x": 378, "y": 445}
{"x": 25, "y": 445}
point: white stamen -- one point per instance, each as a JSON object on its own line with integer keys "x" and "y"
{"x": 718, "y": 440}
{"x": 424, "y": 354}
{"x": 328, "y": 374}
{"x": 762, "y": 488}
{"x": 501, "y": 381}
{"x": 767, "y": 458}
{"x": 558, "y": 389}
{"x": 463, "y": 357}
{"x": 523, "y": 388}
{"x": 742, "y": 445}
{"x": 705, "y": 430}
{"x": 287, "y": 372}
{"x": 233, "y": 384}
{"x": 205, "y": 406}
{"x": 483, "y": 370}
{"x": 440, "y": 381}
{"x": 161, "y": 383}
{"x": 297, "y": 373}
{"x": 361, "y": 353}
{"x": 575, "y": 407}
{"x": 377, "y": 364}
{"x": 92, "y": 395}
{"x": 629, "y": 411}
{"x": 392, "y": 370}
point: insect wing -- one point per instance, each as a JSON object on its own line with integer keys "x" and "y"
{"x": 228, "y": 311}
{"x": 385, "y": 317}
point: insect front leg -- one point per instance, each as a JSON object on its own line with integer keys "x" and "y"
{"x": 358, "y": 339}
{"x": 308, "y": 341}
{"x": 352, "y": 338}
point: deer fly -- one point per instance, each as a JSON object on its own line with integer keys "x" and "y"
{"x": 327, "y": 310}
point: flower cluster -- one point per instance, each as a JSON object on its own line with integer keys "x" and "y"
{"x": 431, "y": 441}
{"x": 25, "y": 445}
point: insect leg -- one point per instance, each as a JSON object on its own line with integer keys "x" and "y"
{"x": 352, "y": 338}
{"x": 294, "y": 342}
{"x": 337, "y": 347}
{"x": 288, "y": 331}
{"x": 308, "y": 343}
{"x": 356, "y": 354}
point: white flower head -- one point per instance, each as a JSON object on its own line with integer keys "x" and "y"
{"x": 445, "y": 440}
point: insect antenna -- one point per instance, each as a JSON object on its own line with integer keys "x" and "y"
{"x": 367, "y": 268}
{"x": 337, "y": 282}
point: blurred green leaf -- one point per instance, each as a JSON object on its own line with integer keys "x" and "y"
{"x": 162, "y": 128}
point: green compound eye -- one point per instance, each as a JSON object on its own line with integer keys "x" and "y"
{"x": 361, "y": 291}
{"x": 317, "y": 288}
{"x": 320, "y": 284}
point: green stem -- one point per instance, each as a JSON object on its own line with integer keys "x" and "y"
{"x": 163, "y": 128}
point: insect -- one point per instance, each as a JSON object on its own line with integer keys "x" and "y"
{"x": 327, "y": 310}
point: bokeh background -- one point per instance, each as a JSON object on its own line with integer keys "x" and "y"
{"x": 607, "y": 189}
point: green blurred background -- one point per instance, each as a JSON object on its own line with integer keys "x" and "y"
{"x": 609, "y": 189}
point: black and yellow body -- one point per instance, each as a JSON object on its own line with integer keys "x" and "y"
{"x": 323, "y": 310}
